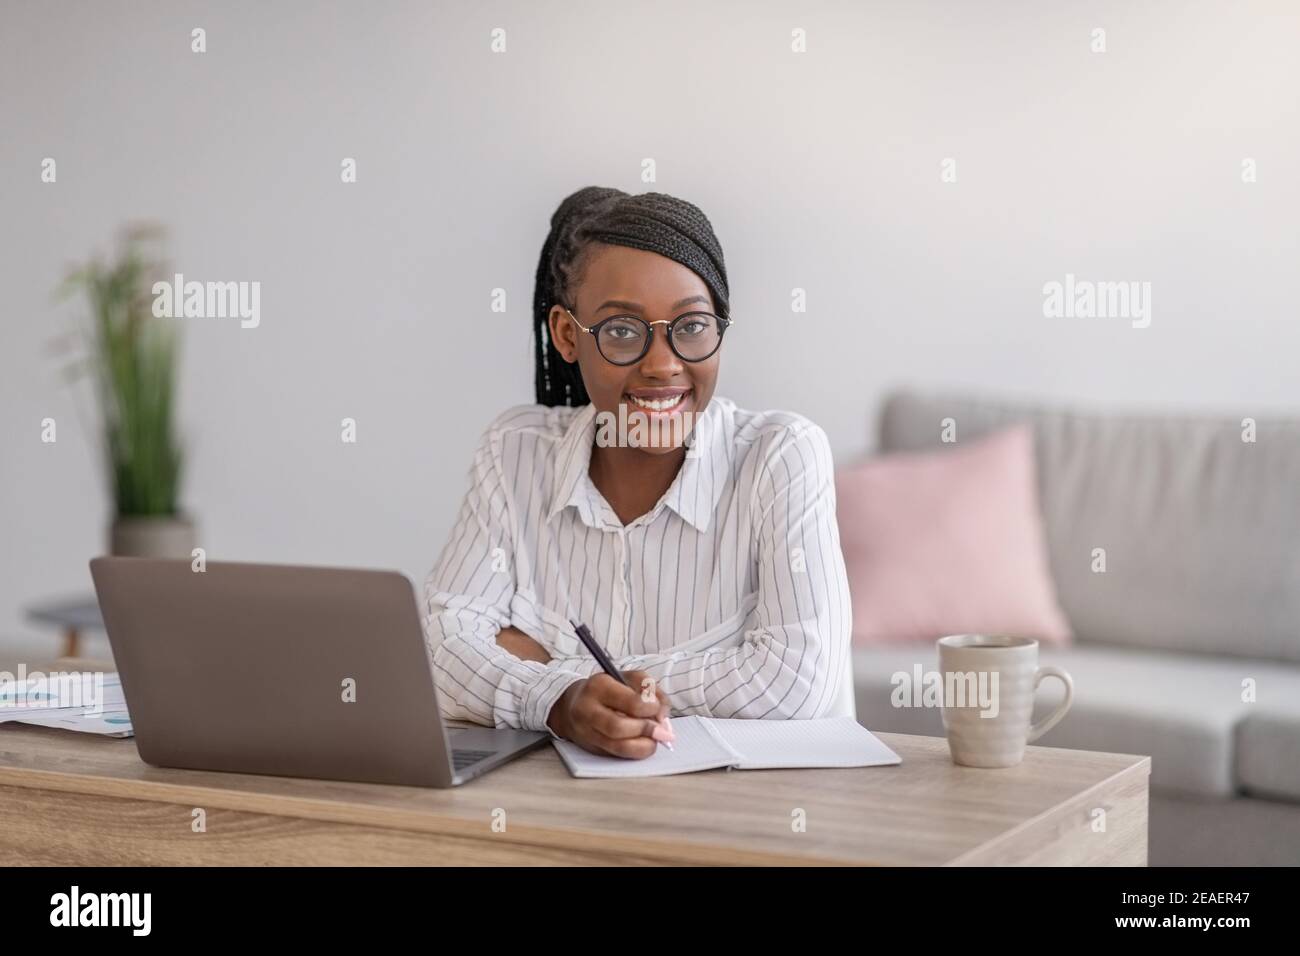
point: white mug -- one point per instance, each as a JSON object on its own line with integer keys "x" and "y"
{"x": 989, "y": 682}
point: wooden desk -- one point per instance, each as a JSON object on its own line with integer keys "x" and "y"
{"x": 73, "y": 799}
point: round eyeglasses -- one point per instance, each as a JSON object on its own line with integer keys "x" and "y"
{"x": 625, "y": 339}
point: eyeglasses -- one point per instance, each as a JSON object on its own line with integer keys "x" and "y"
{"x": 625, "y": 339}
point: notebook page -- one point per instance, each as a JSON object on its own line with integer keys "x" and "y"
{"x": 825, "y": 742}
{"x": 694, "y": 749}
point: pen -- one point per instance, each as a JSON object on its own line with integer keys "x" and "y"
{"x": 605, "y": 663}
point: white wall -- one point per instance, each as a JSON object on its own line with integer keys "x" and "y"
{"x": 819, "y": 171}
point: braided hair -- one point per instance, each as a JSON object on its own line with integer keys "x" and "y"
{"x": 655, "y": 222}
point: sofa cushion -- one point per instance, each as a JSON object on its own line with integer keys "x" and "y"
{"x": 1268, "y": 752}
{"x": 1200, "y": 529}
{"x": 1184, "y": 710}
{"x": 948, "y": 542}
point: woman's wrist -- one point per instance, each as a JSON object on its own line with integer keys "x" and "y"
{"x": 558, "y": 719}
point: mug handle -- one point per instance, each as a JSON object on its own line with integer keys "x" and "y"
{"x": 1052, "y": 719}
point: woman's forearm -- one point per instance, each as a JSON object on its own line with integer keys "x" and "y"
{"x": 522, "y": 646}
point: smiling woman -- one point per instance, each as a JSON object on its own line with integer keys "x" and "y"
{"x": 705, "y": 558}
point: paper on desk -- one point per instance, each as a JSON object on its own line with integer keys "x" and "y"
{"x": 98, "y": 709}
{"x": 794, "y": 744}
{"x": 694, "y": 749}
{"x": 66, "y": 689}
{"x": 706, "y": 743}
{"x": 108, "y": 724}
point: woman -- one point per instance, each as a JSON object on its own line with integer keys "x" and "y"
{"x": 695, "y": 539}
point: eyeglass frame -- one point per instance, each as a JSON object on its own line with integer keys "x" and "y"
{"x": 724, "y": 323}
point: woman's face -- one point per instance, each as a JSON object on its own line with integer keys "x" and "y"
{"x": 624, "y": 281}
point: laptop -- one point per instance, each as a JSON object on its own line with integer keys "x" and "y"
{"x": 285, "y": 670}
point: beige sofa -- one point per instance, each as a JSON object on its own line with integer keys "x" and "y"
{"x": 1197, "y": 610}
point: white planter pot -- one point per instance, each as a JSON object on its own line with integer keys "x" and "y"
{"x": 164, "y": 536}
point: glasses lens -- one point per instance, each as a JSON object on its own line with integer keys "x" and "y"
{"x": 622, "y": 340}
{"x": 697, "y": 335}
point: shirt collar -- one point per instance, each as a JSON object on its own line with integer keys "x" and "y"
{"x": 572, "y": 459}
{"x": 694, "y": 492}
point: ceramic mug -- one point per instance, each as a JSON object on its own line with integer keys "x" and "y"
{"x": 989, "y": 682}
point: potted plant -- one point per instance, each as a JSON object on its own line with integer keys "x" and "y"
{"x": 131, "y": 357}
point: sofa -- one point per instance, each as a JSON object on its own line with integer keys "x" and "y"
{"x": 1187, "y": 645}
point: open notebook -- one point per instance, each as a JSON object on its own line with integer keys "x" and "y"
{"x": 706, "y": 743}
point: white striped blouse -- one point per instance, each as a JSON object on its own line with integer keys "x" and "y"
{"x": 731, "y": 592}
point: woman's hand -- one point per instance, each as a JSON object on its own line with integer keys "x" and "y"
{"x": 522, "y": 646}
{"x": 601, "y": 715}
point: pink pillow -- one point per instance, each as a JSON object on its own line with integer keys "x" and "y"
{"x": 948, "y": 542}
